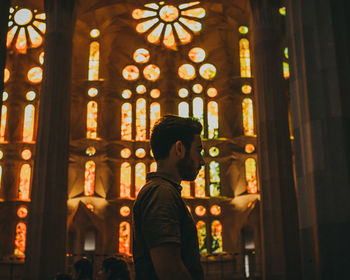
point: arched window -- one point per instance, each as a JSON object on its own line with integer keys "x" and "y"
{"x": 154, "y": 113}
{"x": 244, "y": 53}
{"x": 216, "y": 233}
{"x": 28, "y": 126}
{"x": 3, "y": 123}
{"x": 124, "y": 238}
{"x": 214, "y": 175}
{"x": 20, "y": 240}
{"x": 186, "y": 188}
{"x": 140, "y": 120}
{"x": 125, "y": 180}
{"x": 91, "y": 120}
{"x": 250, "y": 175}
{"x": 140, "y": 177}
{"x": 24, "y": 182}
{"x": 153, "y": 167}
{"x": 126, "y": 122}
{"x": 90, "y": 240}
{"x": 213, "y": 120}
{"x": 248, "y": 118}
{"x": 184, "y": 110}
{"x": 198, "y": 109}
{"x": 199, "y": 184}
{"x": 94, "y": 61}
{"x": 89, "y": 183}
{"x": 202, "y": 236}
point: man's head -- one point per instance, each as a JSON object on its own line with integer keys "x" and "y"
{"x": 115, "y": 269}
{"x": 182, "y": 135}
{"x": 83, "y": 269}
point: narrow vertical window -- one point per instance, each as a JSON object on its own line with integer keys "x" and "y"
{"x": 28, "y": 126}
{"x": 202, "y": 236}
{"x": 24, "y": 182}
{"x": 0, "y": 177}
{"x": 186, "y": 189}
{"x": 248, "y": 118}
{"x": 198, "y": 109}
{"x": 90, "y": 173}
{"x": 3, "y": 123}
{"x": 199, "y": 184}
{"x": 184, "y": 110}
{"x": 94, "y": 61}
{"x": 153, "y": 167}
{"x": 125, "y": 180}
{"x": 216, "y": 233}
{"x": 91, "y": 120}
{"x": 154, "y": 113}
{"x": 250, "y": 175}
{"x": 20, "y": 240}
{"x": 140, "y": 119}
{"x": 213, "y": 120}
{"x": 244, "y": 54}
{"x": 126, "y": 126}
{"x": 285, "y": 70}
{"x": 214, "y": 174}
{"x": 90, "y": 240}
{"x": 140, "y": 177}
{"x": 124, "y": 238}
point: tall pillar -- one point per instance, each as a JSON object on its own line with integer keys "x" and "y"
{"x": 279, "y": 218}
{"x": 46, "y": 242}
{"x": 319, "y": 43}
{"x": 4, "y": 15}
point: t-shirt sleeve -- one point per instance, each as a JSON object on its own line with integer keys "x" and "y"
{"x": 161, "y": 217}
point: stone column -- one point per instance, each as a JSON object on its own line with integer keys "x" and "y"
{"x": 4, "y": 15}
{"x": 279, "y": 219}
{"x": 46, "y": 239}
{"x": 319, "y": 43}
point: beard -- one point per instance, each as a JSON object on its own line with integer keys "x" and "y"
{"x": 186, "y": 168}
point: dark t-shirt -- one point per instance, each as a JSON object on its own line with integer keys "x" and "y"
{"x": 161, "y": 216}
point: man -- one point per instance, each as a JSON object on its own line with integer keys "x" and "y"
{"x": 82, "y": 270}
{"x": 114, "y": 269}
{"x": 165, "y": 237}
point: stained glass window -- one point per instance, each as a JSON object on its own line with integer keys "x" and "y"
{"x": 124, "y": 211}
{"x": 30, "y": 96}
{"x": 151, "y": 72}
{"x": 124, "y": 238}
{"x": 248, "y": 118}
{"x": 197, "y": 55}
{"x": 94, "y": 61}
{"x": 155, "y": 93}
{"x": 246, "y": 89}
{"x": 125, "y": 180}
{"x": 6, "y": 75}
{"x": 250, "y": 175}
{"x": 200, "y": 210}
{"x": 285, "y": 70}
{"x": 214, "y": 175}
{"x": 249, "y": 148}
{"x": 126, "y": 93}
{"x": 213, "y": 120}
{"x": 90, "y": 174}
{"x": 202, "y": 236}
{"x": 35, "y": 75}
{"x": 140, "y": 120}
{"x": 0, "y": 176}
{"x": 90, "y": 151}
{"x": 154, "y": 113}
{"x": 28, "y": 126}
{"x": 20, "y": 240}
{"x": 244, "y": 54}
{"x": 207, "y": 71}
{"x": 141, "y": 56}
{"x": 131, "y": 72}
{"x": 199, "y": 184}
{"x": 183, "y": 92}
{"x": 22, "y": 212}
{"x": 198, "y": 109}
{"x": 26, "y": 154}
{"x": 24, "y": 182}
{"x": 92, "y": 92}
{"x": 94, "y": 33}
{"x": 212, "y": 92}
{"x": 126, "y": 122}
{"x": 153, "y": 167}
{"x": 184, "y": 110}
{"x": 214, "y": 151}
{"x": 243, "y": 29}
{"x": 215, "y": 210}
{"x": 125, "y": 153}
{"x": 91, "y": 120}
{"x": 216, "y": 233}
{"x": 187, "y": 72}
{"x": 186, "y": 188}
{"x": 140, "y": 153}
{"x": 141, "y": 89}
{"x": 140, "y": 177}
{"x": 3, "y": 122}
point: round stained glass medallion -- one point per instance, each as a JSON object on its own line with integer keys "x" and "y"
{"x": 140, "y": 89}
{"x": 126, "y": 93}
{"x": 140, "y": 153}
{"x": 183, "y": 93}
{"x": 200, "y": 210}
{"x": 243, "y": 29}
{"x": 283, "y": 11}
{"x": 22, "y": 212}
{"x": 246, "y": 89}
{"x": 130, "y": 72}
{"x": 155, "y": 93}
{"x": 5, "y": 95}
{"x": 151, "y": 72}
{"x": 214, "y": 151}
{"x": 90, "y": 151}
{"x": 35, "y": 75}
{"x": 197, "y": 54}
{"x": 207, "y": 71}
{"x": 6, "y": 75}
{"x": 92, "y": 92}
{"x": 197, "y": 88}
{"x": 212, "y": 92}
{"x": 215, "y": 210}
{"x": 94, "y": 33}
{"x": 169, "y": 13}
{"x": 125, "y": 211}
{"x": 141, "y": 56}
{"x": 23, "y": 16}
{"x": 125, "y": 153}
{"x": 249, "y": 148}
{"x": 187, "y": 72}
{"x": 26, "y": 154}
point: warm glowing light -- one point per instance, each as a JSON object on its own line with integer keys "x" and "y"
{"x": 198, "y": 109}
{"x": 22, "y": 212}
{"x": 1, "y": 156}
{"x": 285, "y": 70}
{"x": 10, "y": 35}
{"x": 30, "y": 95}
{"x": 41, "y": 58}
{"x": 154, "y": 114}
{"x": 197, "y": 54}
{"x": 187, "y": 5}
{"x": 146, "y": 25}
{"x": 183, "y": 35}
{"x": 124, "y": 238}
{"x": 94, "y": 61}
{"x": 184, "y": 110}
{"x": 248, "y": 119}
{"x": 140, "y": 153}
{"x": 213, "y": 120}
{"x": 89, "y": 183}
{"x": 214, "y": 178}
{"x": 140, "y": 177}
{"x": 154, "y": 36}
{"x": 151, "y": 72}
{"x": 6, "y": 75}
{"x": 23, "y": 16}
{"x": 183, "y": 93}
{"x": 169, "y": 39}
{"x": 26, "y": 154}
{"x": 139, "y": 14}
{"x": 126, "y": 93}
{"x": 216, "y": 233}
{"x": 202, "y": 236}
{"x": 215, "y": 210}
{"x": 140, "y": 120}
{"x": 197, "y": 13}
{"x": 212, "y": 92}
{"x": 91, "y": 120}
{"x": 35, "y": 75}
{"x": 3, "y": 123}
{"x": 90, "y": 151}
{"x": 124, "y": 211}
{"x": 200, "y": 210}
{"x": 24, "y": 182}
{"x": 155, "y": 93}
{"x": 90, "y": 207}
{"x": 186, "y": 188}
{"x": 214, "y": 151}
{"x": 243, "y": 29}
{"x": 187, "y": 72}
{"x": 153, "y": 167}
{"x": 140, "y": 89}
{"x": 169, "y": 13}
{"x": 94, "y": 33}
{"x": 286, "y": 55}
{"x": 283, "y": 11}
{"x": 126, "y": 121}
{"x": 125, "y": 179}
{"x": 20, "y": 241}
{"x": 250, "y": 175}
{"x": 249, "y": 148}
{"x": 193, "y": 25}
{"x": 197, "y": 88}
{"x": 5, "y": 96}
{"x": 125, "y": 153}
{"x": 199, "y": 184}
{"x": 141, "y": 56}
{"x": 246, "y": 89}
{"x": 130, "y": 73}
{"x": 28, "y": 125}
{"x": 244, "y": 54}
{"x": 207, "y": 71}
{"x": 34, "y": 37}
{"x": 92, "y": 92}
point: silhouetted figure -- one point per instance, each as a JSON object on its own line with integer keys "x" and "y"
{"x": 63, "y": 276}
{"x": 82, "y": 270}
{"x": 114, "y": 269}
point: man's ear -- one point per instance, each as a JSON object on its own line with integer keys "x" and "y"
{"x": 180, "y": 149}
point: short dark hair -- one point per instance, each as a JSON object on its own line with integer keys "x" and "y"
{"x": 84, "y": 268}
{"x": 169, "y": 129}
{"x": 117, "y": 267}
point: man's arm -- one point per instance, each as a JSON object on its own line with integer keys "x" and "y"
{"x": 167, "y": 262}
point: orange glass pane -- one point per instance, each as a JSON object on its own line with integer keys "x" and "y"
{"x": 187, "y": 72}
{"x": 6, "y": 75}
{"x": 249, "y": 148}
{"x": 183, "y": 35}
{"x": 126, "y": 121}
{"x": 250, "y": 175}
{"x": 91, "y": 120}
{"x": 248, "y": 119}
{"x": 139, "y": 14}
{"x": 125, "y": 180}
{"x": 155, "y": 93}
{"x": 207, "y": 71}
{"x": 199, "y": 184}
{"x": 213, "y": 120}
{"x": 125, "y": 153}
{"x": 184, "y": 110}
{"x": 35, "y": 75}
{"x": 169, "y": 39}
{"x": 197, "y": 54}
{"x": 197, "y": 13}
{"x": 21, "y": 43}
{"x": 198, "y": 110}
{"x": 26, "y": 154}
{"x": 193, "y": 25}
{"x": 151, "y": 72}
{"x": 130, "y": 72}
{"x": 168, "y": 13}
{"x": 0, "y": 174}
{"x": 22, "y": 212}
{"x": 40, "y": 16}
{"x": 94, "y": 61}
{"x": 141, "y": 55}
{"x": 141, "y": 89}
{"x": 35, "y": 37}
{"x": 140, "y": 120}
{"x": 187, "y": 5}
{"x": 153, "y": 167}
{"x": 212, "y": 92}
{"x": 89, "y": 183}
{"x": 197, "y": 88}
{"x": 215, "y": 210}
{"x": 140, "y": 153}
{"x": 40, "y": 25}
{"x": 20, "y": 241}
{"x": 10, "y": 35}
{"x": 186, "y": 188}
{"x": 90, "y": 151}
{"x": 24, "y": 182}
{"x": 146, "y": 25}
{"x": 124, "y": 238}
{"x": 140, "y": 177}
{"x": 246, "y": 89}
{"x": 28, "y": 126}
{"x": 124, "y": 211}
{"x": 154, "y": 114}
{"x": 216, "y": 233}
{"x": 200, "y": 210}
{"x": 244, "y": 54}
{"x": 3, "y": 123}
{"x": 202, "y": 236}
{"x": 286, "y": 70}
{"x": 154, "y": 36}
{"x": 153, "y": 6}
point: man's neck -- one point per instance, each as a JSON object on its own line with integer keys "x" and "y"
{"x": 170, "y": 169}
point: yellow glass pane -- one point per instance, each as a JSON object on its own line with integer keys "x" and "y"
{"x": 40, "y": 25}
{"x": 35, "y": 75}
{"x": 139, "y": 14}
{"x": 89, "y": 183}
{"x": 184, "y": 110}
{"x": 212, "y": 92}
{"x": 183, "y": 35}
{"x": 283, "y": 11}
{"x": 3, "y": 123}
{"x": 6, "y": 75}
{"x": 130, "y": 72}
{"x": 243, "y": 29}
{"x": 197, "y": 54}
{"x": 155, "y": 93}
{"x": 125, "y": 180}
{"x": 216, "y": 233}
{"x": 140, "y": 153}
{"x": 183, "y": 92}
{"x": 246, "y": 89}
{"x": 197, "y": 88}
{"x": 244, "y": 53}
{"x": 28, "y": 126}
{"x": 199, "y": 184}
{"x": 151, "y": 72}
{"x": 124, "y": 211}
{"x": 207, "y": 71}
{"x": 141, "y": 55}
{"x": 125, "y": 153}
{"x": 146, "y": 25}
{"x": 169, "y": 13}
{"x": 248, "y": 120}
{"x": 21, "y": 43}
{"x": 250, "y": 175}
{"x": 20, "y": 240}
{"x": 187, "y": 72}
{"x": 126, "y": 121}
{"x": 186, "y": 188}
{"x": 197, "y": 13}
{"x": 213, "y": 120}
{"x": 169, "y": 39}
{"x": 153, "y": 167}
{"x": 24, "y": 182}
{"x": 187, "y": 5}
{"x": 26, "y": 154}
{"x": 35, "y": 37}
{"x": 91, "y": 120}
{"x": 154, "y": 114}
{"x": 94, "y": 33}
{"x": 94, "y": 61}
{"x": 200, "y": 210}
{"x": 154, "y": 36}
{"x": 126, "y": 93}
{"x": 193, "y": 25}
{"x": 249, "y": 148}
{"x": 10, "y": 35}
{"x": 140, "y": 177}
{"x": 202, "y": 236}
{"x": 124, "y": 238}
{"x": 140, "y": 120}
